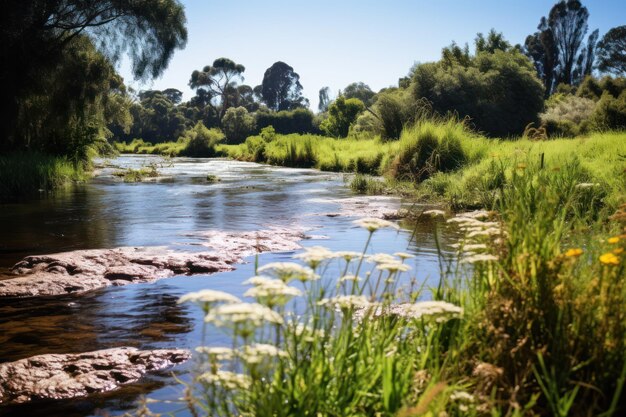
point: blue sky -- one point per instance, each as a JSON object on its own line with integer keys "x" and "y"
{"x": 334, "y": 43}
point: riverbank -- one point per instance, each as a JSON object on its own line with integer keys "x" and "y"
{"x": 434, "y": 161}
{"x": 26, "y": 173}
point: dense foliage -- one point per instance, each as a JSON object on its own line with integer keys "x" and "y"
{"x": 498, "y": 91}
{"x": 56, "y": 65}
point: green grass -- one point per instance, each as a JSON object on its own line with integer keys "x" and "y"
{"x": 138, "y": 146}
{"x": 444, "y": 161}
{"x": 24, "y": 173}
{"x": 492, "y": 162}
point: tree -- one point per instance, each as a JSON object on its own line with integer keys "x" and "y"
{"x": 237, "y": 124}
{"x": 219, "y": 80}
{"x": 612, "y": 51}
{"x": 37, "y": 35}
{"x": 341, "y": 114}
{"x": 493, "y": 42}
{"x": 499, "y": 92}
{"x": 559, "y": 49}
{"x": 324, "y": 99}
{"x": 281, "y": 88}
{"x": 361, "y": 91}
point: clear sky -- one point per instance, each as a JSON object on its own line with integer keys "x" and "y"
{"x": 333, "y": 43}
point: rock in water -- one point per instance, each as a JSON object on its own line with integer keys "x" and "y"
{"x": 61, "y": 376}
{"x": 85, "y": 270}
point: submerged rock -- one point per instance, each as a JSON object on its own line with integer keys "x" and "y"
{"x": 84, "y": 270}
{"x": 61, "y": 376}
{"x": 381, "y": 207}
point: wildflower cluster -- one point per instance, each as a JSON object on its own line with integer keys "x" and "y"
{"x": 299, "y": 328}
{"x": 479, "y": 235}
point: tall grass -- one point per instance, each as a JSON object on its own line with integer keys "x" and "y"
{"x": 529, "y": 319}
{"x": 24, "y": 173}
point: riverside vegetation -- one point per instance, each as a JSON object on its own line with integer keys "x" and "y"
{"x": 526, "y": 320}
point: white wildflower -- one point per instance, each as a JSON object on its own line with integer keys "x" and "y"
{"x": 208, "y": 296}
{"x": 393, "y": 267}
{"x": 258, "y": 280}
{"x": 439, "y": 310}
{"x": 435, "y": 213}
{"x": 216, "y": 353}
{"x": 381, "y": 258}
{"x": 372, "y": 224}
{"x": 349, "y": 277}
{"x": 288, "y": 271}
{"x": 347, "y": 255}
{"x": 315, "y": 255}
{"x": 475, "y": 247}
{"x": 346, "y": 301}
{"x": 465, "y": 221}
{"x": 404, "y": 255}
{"x": 227, "y": 380}
{"x": 486, "y": 232}
{"x": 462, "y": 396}
{"x": 479, "y": 258}
{"x": 258, "y": 352}
{"x": 243, "y": 313}
{"x": 587, "y": 185}
{"x": 308, "y": 333}
{"x": 273, "y": 292}
{"x": 478, "y": 214}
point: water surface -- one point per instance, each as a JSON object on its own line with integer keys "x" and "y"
{"x": 107, "y": 213}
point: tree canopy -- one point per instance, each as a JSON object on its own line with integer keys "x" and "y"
{"x": 558, "y": 49}
{"x": 281, "y": 88}
{"x": 612, "y": 51}
{"x": 38, "y": 38}
{"x": 219, "y": 81}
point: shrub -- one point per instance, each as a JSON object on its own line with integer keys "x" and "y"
{"x": 499, "y": 91}
{"x": 610, "y": 112}
{"x": 286, "y": 122}
{"x": 201, "y": 141}
{"x": 341, "y": 114}
{"x": 237, "y": 124}
{"x": 429, "y": 147}
{"x": 568, "y": 115}
{"x": 394, "y": 109}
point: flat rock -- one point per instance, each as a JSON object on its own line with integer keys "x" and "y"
{"x": 61, "y": 376}
{"x": 85, "y": 270}
{"x": 382, "y": 207}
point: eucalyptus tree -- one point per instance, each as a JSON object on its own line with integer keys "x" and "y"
{"x": 612, "y": 51}
{"x": 561, "y": 50}
{"x": 218, "y": 80}
{"x": 281, "y": 88}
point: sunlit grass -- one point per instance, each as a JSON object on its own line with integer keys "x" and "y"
{"x": 29, "y": 172}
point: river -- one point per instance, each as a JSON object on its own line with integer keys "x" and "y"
{"x": 167, "y": 211}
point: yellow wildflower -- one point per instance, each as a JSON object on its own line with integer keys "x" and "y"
{"x": 614, "y": 239}
{"x": 609, "y": 259}
{"x": 618, "y": 251}
{"x": 574, "y": 252}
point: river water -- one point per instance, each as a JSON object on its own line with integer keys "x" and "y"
{"x": 107, "y": 213}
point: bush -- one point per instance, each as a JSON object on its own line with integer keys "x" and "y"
{"x": 568, "y": 115}
{"x": 341, "y": 114}
{"x": 610, "y": 112}
{"x": 237, "y": 124}
{"x": 201, "y": 141}
{"x": 499, "y": 91}
{"x": 427, "y": 148}
{"x": 286, "y": 122}
{"x": 394, "y": 110}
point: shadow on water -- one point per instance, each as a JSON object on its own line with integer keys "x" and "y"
{"x": 108, "y": 213}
